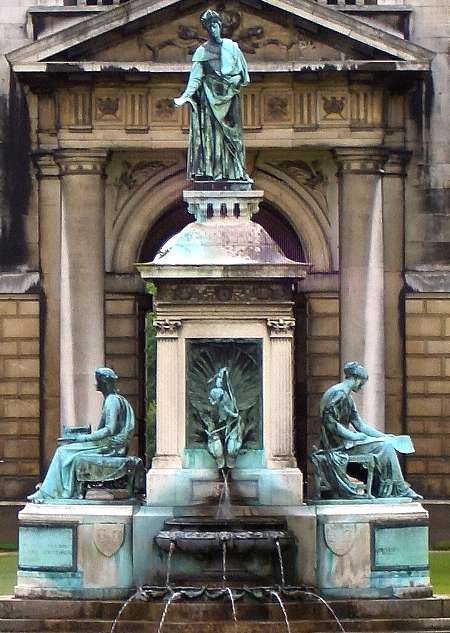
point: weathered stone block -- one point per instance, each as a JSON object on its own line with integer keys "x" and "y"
{"x": 324, "y": 326}
{"x": 426, "y": 407}
{"x": 423, "y": 367}
{"x": 21, "y": 408}
{"x": 120, "y": 306}
{"x": 413, "y": 306}
{"x": 124, "y": 366}
{"x": 415, "y": 347}
{"x": 323, "y": 365}
{"x": 29, "y": 388}
{"x": 416, "y": 386}
{"x": 438, "y": 466}
{"x": 423, "y": 326}
{"x": 438, "y": 386}
{"x": 120, "y": 327}
{"x": 416, "y": 466}
{"x": 447, "y": 327}
{"x": 9, "y": 388}
{"x": 8, "y": 348}
{"x": 8, "y": 307}
{"x": 21, "y": 448}
{"x": 323, "y": 346}
{"x": 29, "y": 308}
{"x": 438, "y": 347}
{"x": 22, "y": 368}
{"x": 428, "y": 446}
{"x": 20, "y": 327}
{"x": 120, "y": 346}
{"x": 29, "y": 347}
{"x": 323, "y": 306}
{"x": 438, "y": 306}
{"x": 447, "y": 366}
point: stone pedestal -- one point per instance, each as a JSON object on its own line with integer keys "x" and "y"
{"x": 223, "y": 279}
{"x": 75, "y": 551}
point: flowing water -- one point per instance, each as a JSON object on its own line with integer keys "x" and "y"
{"x": 280, "y": 558}
{"x": 224, "y": 562}
{"x": 283, "y": 608}
{"x": 315, "y": 595}
{"x": 173, "y": 597}
{"x": 169, "y": 561}
{"x": 233, "y": 607}
{"x": 123, "y": 607}
{"x": 224, "y": 506}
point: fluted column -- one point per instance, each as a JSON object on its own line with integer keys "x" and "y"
{"x": 82, "y": 282}
{"x": 394, "y": 249}
{"x": 362, "y": 271}
{"x": 50, "y": 257}
{"x": 278, "y": 432}
{"x": 168, "y": 413}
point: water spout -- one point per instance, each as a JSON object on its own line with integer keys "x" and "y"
{"x": 169, "y": 561}
{"x": 224, "y": 561}
{"x": 233, "y": 607}
{"x": 280, "y": 558}
{"x": 283, "y": 608}
{"x": 173, "y": 597}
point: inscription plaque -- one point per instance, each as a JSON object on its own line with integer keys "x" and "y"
{"x": 47, "y": 547}
{"x": 400, "y": 547}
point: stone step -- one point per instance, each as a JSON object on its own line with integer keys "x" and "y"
{"x": 442, "y": 625}
{"x": 436, "y": 607}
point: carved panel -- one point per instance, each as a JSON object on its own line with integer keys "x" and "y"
{"x": 75, "y": 109}
{"x": 220, "y": 293}
{"x": 163, "y": 111}
{"x": 108, "y": 108}
{"x": 333, "y": 106}
{"x": 136, "y": 111}
{"x": 279, "y": 107}
{"x": 366, "y": 107}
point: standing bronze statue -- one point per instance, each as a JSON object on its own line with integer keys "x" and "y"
{"x": 345, "y": 437}
{"x": 216, "y": 150}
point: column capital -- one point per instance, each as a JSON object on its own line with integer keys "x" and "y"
{"x": 79, "y": 162}
{"x": 166, "y": 328}
{"x": 45, "y": 165}
{"x": 360, "y": 160}
{"x": 280, "y": 328}
{"x": 397, "y": 162}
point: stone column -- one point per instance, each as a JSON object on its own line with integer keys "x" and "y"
{"x": 278, "y": 431}
{"x": 394, "y": 251}
{"x": 168, "y": 413}
{"x": 82, "y": 282}
{"x": 362, "y": 271}
{"x": 50, "y": 257}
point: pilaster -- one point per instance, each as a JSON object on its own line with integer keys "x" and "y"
{"x": 82, "y": 281}
{"x": 362, "y": 271}
{"x": 394, "y": 253}
{"x": 50, "y": 257}
{"x": 279, "y": 437}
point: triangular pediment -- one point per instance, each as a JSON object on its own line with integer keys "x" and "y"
{"x": 268, "y": 32}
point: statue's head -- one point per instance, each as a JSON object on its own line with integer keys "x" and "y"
{"x": 211, "y": 21}
{"x": 358, "y": 373}
{"x": 105, "y": 377}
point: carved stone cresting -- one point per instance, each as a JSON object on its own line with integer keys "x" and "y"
{"x": 221, "y": 293}
{"x": 167, "y": 327}
{"x": 280, "y": 327}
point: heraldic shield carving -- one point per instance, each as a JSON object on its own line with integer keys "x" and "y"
{"x": 339, "y": 537}
{"x": 108, "y": 537}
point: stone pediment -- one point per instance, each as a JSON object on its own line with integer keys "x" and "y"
{"x": 271, "y": 33}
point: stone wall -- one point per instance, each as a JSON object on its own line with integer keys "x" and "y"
{"x": 122, "y": 349}
{"x": 322, "y": 356}
{"x": 428, "y": 392}
{"x": 19, "y": 395}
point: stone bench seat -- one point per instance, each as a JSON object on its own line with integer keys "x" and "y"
{"x": 321, "y": 484}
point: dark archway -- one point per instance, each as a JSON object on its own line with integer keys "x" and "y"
{"x": 176, "y": 218}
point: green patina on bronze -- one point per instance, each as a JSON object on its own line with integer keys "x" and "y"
{"x": 224, "y": 397}
{"x": 345, "y": 435}
{"x": 96, "y": 457}
{"x": 216, "y": 150}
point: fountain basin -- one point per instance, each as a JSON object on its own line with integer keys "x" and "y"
{"x": 203, "y": 535}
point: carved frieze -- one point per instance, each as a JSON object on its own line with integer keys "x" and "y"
{"x": 333, "y": 106}
{"x": 213, "y": 293}
{"x": 133, "y": 175}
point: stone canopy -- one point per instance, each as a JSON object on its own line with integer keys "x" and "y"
{"x": 144, "y": 36}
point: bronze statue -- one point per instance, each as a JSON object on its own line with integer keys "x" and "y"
{"x": 216, "y": 150}
{"x": 345, "y": 437}
{"x": 224, "y": 433}
{"x": 84, "y": 456}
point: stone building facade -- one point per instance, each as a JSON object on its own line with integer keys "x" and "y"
{"x": 346, "y": 125}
